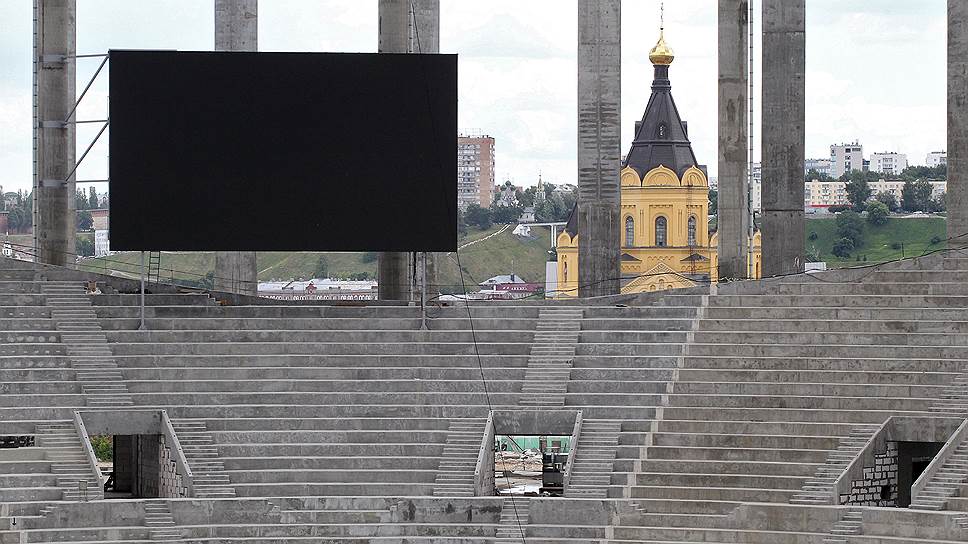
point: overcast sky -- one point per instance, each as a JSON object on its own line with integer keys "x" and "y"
{"x": 875, "y": 70}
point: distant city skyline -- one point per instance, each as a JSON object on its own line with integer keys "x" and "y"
{"x": 518, "y": 71}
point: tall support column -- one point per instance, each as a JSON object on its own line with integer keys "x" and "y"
{"x": 733, "y": 218}
{"x": 54, "y": 142}
{"x": 599, "y": 146}
{"x": 957, "y": 197}
{"x": 236, "y": 29}
{"x": 426, "y": 39}
{"x": 784, "y": 61}
{"x": 393, "y": 36}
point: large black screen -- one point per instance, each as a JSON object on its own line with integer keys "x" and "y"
{"x": 283, "y": 151}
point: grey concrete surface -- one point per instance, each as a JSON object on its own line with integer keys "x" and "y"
{"x": 599, "y": 145}
{"x": 54, "y": 145}
{"x": 733, "y": 203}
{"x": 957, "y": 196}
{"x": 236, "y": 29}
{"x": 784, "y": 111}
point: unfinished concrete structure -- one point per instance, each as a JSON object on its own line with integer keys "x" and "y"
{"x": 790, "y": 410}
{"x": 54, "y": 135}
{"x": 957, "y": 196}
{"x": 733, "y": 199}
{"x": 599, "y": 145}
{"x": 236, "y": 29}
{"x": 784, "y": 118}
{"x": 398, "y": 33}
{"x": 770, "y": 411}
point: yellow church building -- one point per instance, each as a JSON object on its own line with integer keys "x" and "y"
{"x": 666, "y": 242}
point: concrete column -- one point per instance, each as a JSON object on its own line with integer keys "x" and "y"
{"x": 733, "y": 220}
{"x": 957, "y": 197}
{"x": 784, "y": 60}
{"x": 426, "y": 16}
{"x": 425, "y": 38}
{"x": 393, "y": 36}
{"x": 54, "y": 144}
{"x": 236, "y": 29}
{"x": 599, "y": 146}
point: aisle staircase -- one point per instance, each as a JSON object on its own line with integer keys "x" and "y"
{"x": 552, "y": 355}
{"x": 455, "y": 473}
{"x": 102, "y": 383}
{"x": 592, "y": 470}
{"x": 819, "y": 489}
{"x": 514, "y": 521}
{"x": 160, "y": 523}
{"x": 69, "y": 463}
{"x": 210, "y": 479}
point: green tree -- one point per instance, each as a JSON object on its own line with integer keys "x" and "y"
{"x": 478, "y": 216}
{"x": 843, "y": 247}
{"x": 92, "y": 199}
{"x": 916, "y": 195}
{"x": 813, "y": 174}
{"x": 84, "y": 220}
{"x": 851, "y": 226}
{"x": 858, "y": 192}
{"x": 888, "y": 199}
{"x": 914, "y": 173}
{"x": 103, "y": 446}
{"x": 877, "y": 213}
{"x": 84, "y": 246}
{"x": 80, "y": 200}
{"x": 713, "y": 202}
{"x": 322, "y": 268}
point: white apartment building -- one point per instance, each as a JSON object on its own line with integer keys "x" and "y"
{"x": 937, "y": 158}
{"x": 891, "y": 163}
{"x": 845, "y": 158}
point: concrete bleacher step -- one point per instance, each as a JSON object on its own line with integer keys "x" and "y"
{"x": 553, "y": 351}
{"x": 819, "y": 489}
{"x": 513, "y": 526}
{"x": 458, "y": 461}
{"x": 595, "y": 454}
{"x": 201, "y": 452}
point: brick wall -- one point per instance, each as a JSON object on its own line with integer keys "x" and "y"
{"x": 879, "y": 485}
{"x": 170, "y": 485}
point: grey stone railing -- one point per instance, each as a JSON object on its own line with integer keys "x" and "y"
{"x": 89, "y": 452}
{"x": 484, "y": 472}
{"x": 181, "y": 462}
{"x": 864, "y": 458}
{"x": 959, "y": 436}
{"x": 572, "y": 452}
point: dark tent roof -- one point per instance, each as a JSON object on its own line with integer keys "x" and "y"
{"x": 661, "y": 137}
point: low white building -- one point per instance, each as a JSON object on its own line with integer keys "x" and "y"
{"x": 937, "y": 158}
{"x": 890, "y": 163}
{"x": 824, "y": 194}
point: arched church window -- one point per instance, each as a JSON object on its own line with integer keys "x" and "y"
{"x": 629, "y": 232}
{"x": 660, "y": 231}
{"x": 691, "y": 230}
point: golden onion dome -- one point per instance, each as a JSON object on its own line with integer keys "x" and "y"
{"x": 661, "y": 54}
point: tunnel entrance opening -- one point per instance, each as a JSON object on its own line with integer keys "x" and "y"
{"x": 531, "y": 465}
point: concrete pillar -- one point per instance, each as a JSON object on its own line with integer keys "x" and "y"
{"x": 784, "y": 60}
{"x": 733, "y": 220}
{"x": 599, "y": 146}
{"x": 54, "y": 143}
{"x": 957, "y": 197}
{"x": 393, "y": 36}
{"x": 425, "y": 38}
{"x": 426, "y": 18}
{"x": 236, "y": 29}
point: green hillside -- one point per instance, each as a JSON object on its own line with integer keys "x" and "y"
{"x": 897, "y": 238}
{"x": 481, "y": 260}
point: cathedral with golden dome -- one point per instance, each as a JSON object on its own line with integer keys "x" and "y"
{"x": 665, "y": 237}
